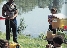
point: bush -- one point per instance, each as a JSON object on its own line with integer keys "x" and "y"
{"x": 61, "y": 33}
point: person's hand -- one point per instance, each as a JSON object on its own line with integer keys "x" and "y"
{"x": 12, "y": 17}
{"x": 49, "y": 46}
{"x": 7, "y": 17}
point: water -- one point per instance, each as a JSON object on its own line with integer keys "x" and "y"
{"x": 36, "y": 19}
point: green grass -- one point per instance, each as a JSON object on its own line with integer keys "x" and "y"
{"x": 27, "y": 42}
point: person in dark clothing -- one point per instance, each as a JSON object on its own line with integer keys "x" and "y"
{"x": 10, "y": 12}
{"x": 58, "y": 40}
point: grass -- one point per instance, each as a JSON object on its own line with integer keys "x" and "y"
{"x": 27, "y": 42}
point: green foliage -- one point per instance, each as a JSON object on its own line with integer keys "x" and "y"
{"x": 0, "y": 0}
{"x": 65, "y": 35}
{"x": 42, "y": 36}
{"x": 32, "y": 43}
{"x": 25, "y": 6}
{"x": 29, "y": 5}
{"x": 22, "y": 26}
{"x": 60, "y": 33}
{"x": 0, "y": 32}
{"x": 27, "y": 42}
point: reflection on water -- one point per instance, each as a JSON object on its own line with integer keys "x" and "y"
{"x": 28, "y": 5}
{"x": 35, "y": 14}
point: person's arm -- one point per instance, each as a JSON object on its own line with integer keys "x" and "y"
{"x": 48, "y": 18}
{"x": 3, "y": 11}
{"x": 16, "y": 14}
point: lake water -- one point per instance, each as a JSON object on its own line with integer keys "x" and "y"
{"x": 37, "y": 20}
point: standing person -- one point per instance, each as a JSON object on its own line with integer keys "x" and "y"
{"x": 10, "y": 12}
{"x": 53, "y": 11}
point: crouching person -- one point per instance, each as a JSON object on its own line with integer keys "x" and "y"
{"x": 57, "y": 42}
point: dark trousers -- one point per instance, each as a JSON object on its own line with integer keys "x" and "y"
{"x": 54, "y": 30}
{"x": 11, "y": 24}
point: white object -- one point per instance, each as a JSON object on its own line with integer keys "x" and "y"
{"x": 60, "y": 16}
{"x": 55, "y": 20}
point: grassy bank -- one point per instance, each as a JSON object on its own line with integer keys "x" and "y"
{"x": 27, "y": 42}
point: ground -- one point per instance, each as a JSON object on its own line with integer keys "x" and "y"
{"x": 27, "y": 42}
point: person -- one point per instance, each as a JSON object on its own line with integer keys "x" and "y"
{"x": 58, "y": 40}
{"x": 53, "y": 11}
{"x": 4, "y": 43}
{"x": 10, "y": 12}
